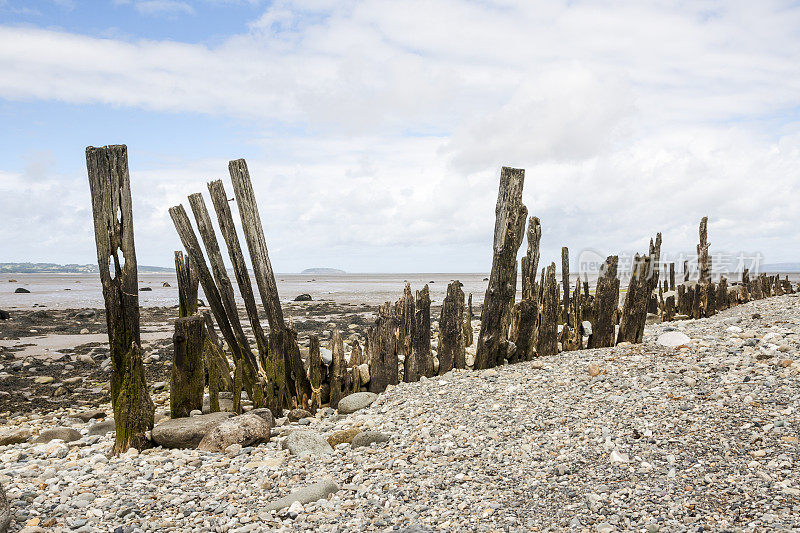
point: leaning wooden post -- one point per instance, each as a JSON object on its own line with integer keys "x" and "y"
{"x": 239, "y": 349}
{"x": 451, "y": 331}
{"x": 421, "y": 341}
{"x": 404, "y": 308}
{"x": 109, "y": 184}
{"x": 187, "y": 378}
{"x": 547, "y": 338}
{"x": 262, "y": 267}
{"x": 606, "y": 302}
{"x": 508, "y": 232}
{"x": 187, "y": 285}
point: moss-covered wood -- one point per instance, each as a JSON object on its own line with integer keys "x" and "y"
{"x": 383, "y": 363}
{"x": 315, "y": 373}
{"x": 109, "y": 185}
{"x": 187, "y": 377}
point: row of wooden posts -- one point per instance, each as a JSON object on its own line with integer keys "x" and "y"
{"x": 274, "y": 375}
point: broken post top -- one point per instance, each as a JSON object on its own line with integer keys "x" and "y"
{"x": 510, "y": 211}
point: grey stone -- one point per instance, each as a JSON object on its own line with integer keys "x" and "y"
{"x": 245, "y": 430}
{"x": 186, "y": 432}
{"x": 297, "y": 414}
{"x": 415, "y": 528}
{"x": 85, "y": 416}
{"x": 65, "y": 434}
{"x": 305, "y": 441}
{"x": 365, "y": 438}
{"x": 354, "y": 402}
{"x": 264, "y": 413}
{"x": 103, "y": 427}
{"x": 318, "y": 491}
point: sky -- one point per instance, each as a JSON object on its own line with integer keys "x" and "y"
{"x": 375, "y": 130}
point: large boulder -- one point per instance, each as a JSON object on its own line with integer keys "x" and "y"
{"x": 5, "y": 511}
{"x": 17, "y": 436}
{"x": 21, "y": 290}
{"x": 354, "y": 402}
{"x": 245, "y": 430}
{"x": 4, "y": 315}
{"x": 103, "y": 427}
{"x": 65, "y": 434}
{"x": 303, "y": 298}
{"x": 318, "y": 491}
{"x": 186, "y": 432}
{"x": 301, "y": 442}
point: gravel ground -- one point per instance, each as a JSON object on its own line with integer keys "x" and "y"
{"x": 698, "y": 437}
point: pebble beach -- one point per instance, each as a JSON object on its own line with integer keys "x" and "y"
{"x": 695, "y": 429}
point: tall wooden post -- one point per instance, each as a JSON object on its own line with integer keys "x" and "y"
{"x": 702, "y": 252}
{"x": 451, "y": 331}
{"x": 530, "y": 263}
{"x": 468, "y": 336}
{"x": 565, "y": 283}
{"x": 672, "y": 276}
{"x": 341, "y": 385}
{"x": 508, "y": 232}
{"x": 685, "y": 271}
{"x": 315, "y": 373}
{"x": 187, "y": 378}
{"x": 109, "y": 184}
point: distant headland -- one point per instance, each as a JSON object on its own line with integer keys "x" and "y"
{"x": 72, "y": 268}
{"x": 323, "y": 271}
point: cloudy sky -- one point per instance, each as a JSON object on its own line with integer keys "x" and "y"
{"x": 375, "y": 130}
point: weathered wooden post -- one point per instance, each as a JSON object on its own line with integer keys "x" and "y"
{"x": 606, "y": 303}
{"x": 685, "y": 271}
{"x": 383, "y": 364}
{"x": 315, "y": 373}
{"x": 451, "y": 330}
{"x": 702, "y": 252}
{"x": 421, "y": 342}
{"x": 530, "y": 263}
{"x": 508, "y": 232}
{"x": 468, "y": 337}
{"x": 634, "y": 311}
{"x": 565, "y": 284}
{"x": 187, "y": 285}
{"x": 262, "y": 267}
{"x": 187, "y": 378}
{"x": 404, "y": 309}
{"x": 547, "y": 338}
{"x": 523, "y": 330}
{"x": 340, "y": 377}
{"x": 109, "y": 184}
{"x": 573, "y": 337}
{"x": 672, "y": 276}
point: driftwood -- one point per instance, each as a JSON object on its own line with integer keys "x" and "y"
{"x": 606, "y": 303}
{"x": 187, "y": 285}
{"x": 109, "y": 184}
{"x": 187, "y": 377}
{"x": 547, "y": 338}
{"x": 262, "y": 269}
{"x": 508, "y": 233}
{"x": 383, "y": 362}
{"x": 404, "y": 310}
{"x": 421, "y": 342}
{"x": 451, "y": 330}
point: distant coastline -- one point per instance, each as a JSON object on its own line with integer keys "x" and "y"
{"x": 55, "y": 268}
{"x": 323, "y": 271}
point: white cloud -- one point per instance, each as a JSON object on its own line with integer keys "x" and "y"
{"x": 630, "y": 118}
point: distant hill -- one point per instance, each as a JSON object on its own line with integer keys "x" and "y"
{"x": 55, "y": 268}
{"x": 323, "y": 271}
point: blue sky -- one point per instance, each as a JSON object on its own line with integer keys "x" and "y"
{"x": 375, "y": 130}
